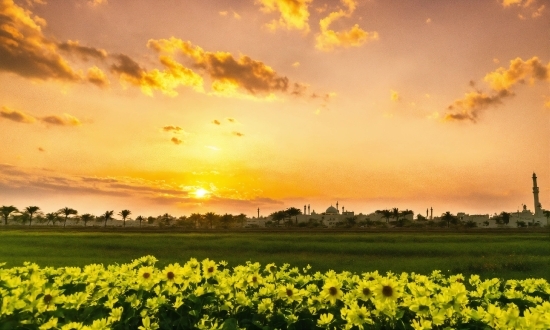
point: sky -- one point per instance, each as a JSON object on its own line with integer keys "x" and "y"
{"x": 187, "y": 107}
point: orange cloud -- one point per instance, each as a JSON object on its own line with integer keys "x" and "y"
{"x": 329, "y": 39}
{"x": 527, "y": 7}
{"x": 84, "y": 52}
{"x": 165, "y": 81}
{"x": 97, "y": 2}
{"x": 65, "y": 120}
{"x": 97, "y": 77}
{"x": 394, "y": 96}
{"x": 228, "y": 75}
{"x": 518, "y": 71}
{"x": 176, "y": 140}
{"x": 294, "y": 14}
{"x": 175, "y": 129}
{"x": 24, "y": 49}
{"x": 501, "y": 82}
{"x": 16, "y": 116}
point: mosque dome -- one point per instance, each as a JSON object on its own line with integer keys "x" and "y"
{"x": 331, "y": 210}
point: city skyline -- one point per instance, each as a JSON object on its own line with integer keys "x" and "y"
{"x": 229, "y": 106}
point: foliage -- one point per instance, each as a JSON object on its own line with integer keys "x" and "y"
{"x": 210, "y": 295}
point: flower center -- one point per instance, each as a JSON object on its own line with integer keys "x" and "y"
{"x": 272, "y": 268}
{"x": 459, "y": 280}
{"x": 47, "y": 298}
{"x": 170, "y": 275}
{"x": 146, "y": 275}
{"x": 387, "y": 291}
{"x": 371, "y": 278}
{"x": 366, "y": 291}
{"x": 254, "y": 279}
{"x": 210, "y": 269}
{"x": 289, "y": 292}
{"x": 333, "y": 291}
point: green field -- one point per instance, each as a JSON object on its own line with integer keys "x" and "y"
{"x": 504, "y": 255}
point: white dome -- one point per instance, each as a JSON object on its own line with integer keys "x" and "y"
{"x": 331, "y": 209}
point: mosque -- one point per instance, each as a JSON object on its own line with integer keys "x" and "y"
{"x": 332, "y": 215}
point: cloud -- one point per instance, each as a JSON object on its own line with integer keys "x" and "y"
{"x": 165, "y": 81}
{"x": 474, "y": 102}
{"x": 65, "y": 120}
{"x": 527, "y": 7}
{"x": 518, "y": 71}
{"x": 329, "y": 39}
{"x": 501, "y": 82}
{"x": 176, "y": 140}
{"x": 294, "y": 14}
{"x": 223, "y": 13}
{"x": 228, "y": 74}
{"x": 216, "y": 122}
{"x": 428, "y": 21}
{"x": 16, "y": 116}
{"x": 24, "y": 49}
{"x": 175, "y": 129}
{"x": 296, "y": 64}
{"x": 85, "y": 53}
{"x": 97, "y": 2}
{"x": 547, "y": 103}
{"x": 232, "y": 120}
{"x": 97, "y": 77}
{"x": 41, "y": 149}
{"x": 394, "y": 96}
{"x": 239, "y": 134}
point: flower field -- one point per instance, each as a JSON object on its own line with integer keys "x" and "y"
{"x": 210, "y": 295}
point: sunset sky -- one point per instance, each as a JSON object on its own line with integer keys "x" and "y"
{"x": 232, "y": 105}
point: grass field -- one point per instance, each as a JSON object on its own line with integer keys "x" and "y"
{"x": 504, "y": 255}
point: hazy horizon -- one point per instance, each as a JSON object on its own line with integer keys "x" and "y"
{"x": 187, "y": 107}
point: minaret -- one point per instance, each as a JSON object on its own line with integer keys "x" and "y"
{"x": 342, "y": 210}
{"x": 258, "y": 212}
{"x": 538, "y": 207}
{"x": 308, "y": 209}
{"x": 431, "y": 213}
{"x": 336, "y": 206}
{"x": 304, "y": 209}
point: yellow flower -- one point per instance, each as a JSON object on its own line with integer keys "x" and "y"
{"x": 147, "y": 324}
{"x": 254, "y": 280}
{"x": 365, "y": 290}
{"x": 422, "y": 324}
{"x": 289, "y": 293}
{"x": 325, "y": 319}
{"x": 52, "y": 323}
{"x": 266, "y": 305}
{"x": 388, "y": 289}
{"x": 331, "y": 291}
{"x": 209, "y": 268}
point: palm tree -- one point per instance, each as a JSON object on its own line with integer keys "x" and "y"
{"x": 241, "y": 218}
{"x": 53, "y": 217}
{"x": 6, "y": 210}
{"x": 547, "y": 215}
{"x": 210, "y": 217}
{"x": 31, "y": 210}
{"x": 107, "y": 216}
{"x": 124, "y": 214}
{"x": 67, "y": 211}
{"x": 140, "y": 219}
{"x": 196, "y": 218}
{"x": 395, "y": 213}
{"x": 386, "y": 214}
{"x": 448, "y": 216}
{"x": 86, "y": 217}
{"x": 226, "y": 220}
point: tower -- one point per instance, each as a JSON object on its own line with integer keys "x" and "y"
{"x": 308, "y": 209}
{"x": 305, "y": 209}
{"x": 538, "y": 206}
{"x": 431, "y": 213}
{"x": 337, "y": 205}
{"x": 258, "y": 212}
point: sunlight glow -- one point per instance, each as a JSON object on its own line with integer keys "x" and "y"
{"x": 200, "y": 193}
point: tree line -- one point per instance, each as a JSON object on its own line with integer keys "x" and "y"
{"x": 29, "y": 214}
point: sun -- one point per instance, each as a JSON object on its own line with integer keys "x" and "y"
{"x": 200, "y": 193}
